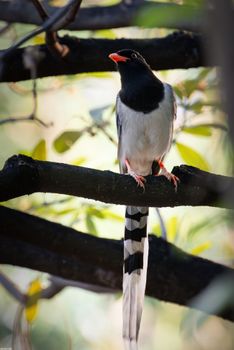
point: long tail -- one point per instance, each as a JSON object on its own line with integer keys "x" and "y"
{"x": 134, "y": 274}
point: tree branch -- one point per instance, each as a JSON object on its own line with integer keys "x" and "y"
{"x": 98, "y": 17}
{"x": 64, "y": 252}
{"x": 178, "y": 50}
{"x": 22, "y": 175}
{"x": 51, "y": 25}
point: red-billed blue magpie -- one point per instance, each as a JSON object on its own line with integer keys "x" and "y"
{"x": 145, "y": 110}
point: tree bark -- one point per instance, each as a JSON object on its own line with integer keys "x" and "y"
{"x": 178, "y": 50}
{"x": 98, "y": 17}
{"x": 22, "y": 175}
{"x": 173, "y": 275}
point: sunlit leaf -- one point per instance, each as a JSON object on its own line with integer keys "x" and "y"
{"x": 78, "y": 161}
{"x": 192, "y": 157}
{"x": 65, "y": 141}
{"x": 171, "y": 225}
{"x": 203, "y": 73}
{"x": 201, "y": 248}
{"x": 196, "y": 107}
{"x": 39, "y": 151}
{"x": 25, "y": 152}
{"x": 105, "y": 33}
{"x": 99, "y": 75}
{"x": 165, "y": 15}
{"x": 39, "y": 39}
{"x": 33, "y": 295}
{"x": 189, "y": 86}
{"x": 113, "y": 216}
{"x": 178, "y": 92}
{"x": 95, "y": 212}
{"x": 198, "y": 130}
{"x": 156, "y": 229}
{"x": 66, "y": 211}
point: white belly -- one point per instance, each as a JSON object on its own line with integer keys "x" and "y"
{"x": 146, "y": 137}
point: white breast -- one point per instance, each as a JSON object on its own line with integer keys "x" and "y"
{"x": 146, "y": 137}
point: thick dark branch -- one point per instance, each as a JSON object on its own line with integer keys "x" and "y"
{"x": 178, "y": 50}
{"x": 22, "y": 175}
{"x": 91, "y": 18}
{"x": 173, "y": 275}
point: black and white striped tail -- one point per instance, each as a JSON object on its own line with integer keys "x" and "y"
{"x": 134, "y": 274}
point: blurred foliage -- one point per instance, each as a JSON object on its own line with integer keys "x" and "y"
{"x": 65, "y": 141}
{"x": 191, "y": 157}
{"x": 81, "y": 108}
{"x": 39, "y": 151}
{"x": 167, "y": 15}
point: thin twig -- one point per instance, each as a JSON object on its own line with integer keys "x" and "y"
{"x": 29, "y": 118}
{"x": 12, "y": 288}
{"x": 61, "y": 18}
{"x": 40, "y": 9}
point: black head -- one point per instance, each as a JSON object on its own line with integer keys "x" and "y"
{"x": 141, "y": 89}
{"x": 129, "y": 62}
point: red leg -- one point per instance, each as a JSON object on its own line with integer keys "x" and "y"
{"x": 140, "y": 180}
{"x": 171, "y": 177}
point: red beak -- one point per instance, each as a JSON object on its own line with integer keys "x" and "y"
{"x": 117, "y": 58}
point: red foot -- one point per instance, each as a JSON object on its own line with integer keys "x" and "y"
{"x": 140, "y": 180}
{"x": 171, "y": 177}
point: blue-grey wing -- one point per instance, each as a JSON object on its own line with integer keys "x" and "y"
{"x": 118, "y": 125}
{"x": 119, "y": 132}
{"x": 173, "y": 101}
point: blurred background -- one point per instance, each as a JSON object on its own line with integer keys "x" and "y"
{"x": 76, "y": 125}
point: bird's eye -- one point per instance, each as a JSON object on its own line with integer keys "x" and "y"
{"x": 133, "y": 55}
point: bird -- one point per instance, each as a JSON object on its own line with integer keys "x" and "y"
{"x": 145, "y": 115}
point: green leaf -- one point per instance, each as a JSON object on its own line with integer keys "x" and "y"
{"x": 189, "y": 86}
{"x": 192, "y": 157}
{"x": 198, "y": 130}
{"x": 39, "y": 39}
{"x": 113, "y": 216}
{"x": 105, "y": 33}
{"x": 178, "y": 92}
{"x": 90, "y": 225}
{"x": 78, "y": 161}
{"x": 201, "y": 248}
{"x": 166, "y": 15}
{"x": 196, "y": 107}
{"x": 33, "y": 296}
{"x": 203, "y": 73}
{"x": 39, "y": 151}
{"x": 172, "y": 225}
{"x": 66, "y": 140}
{"x": 95, "y": 212}
{"x": 156, "y": 229}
